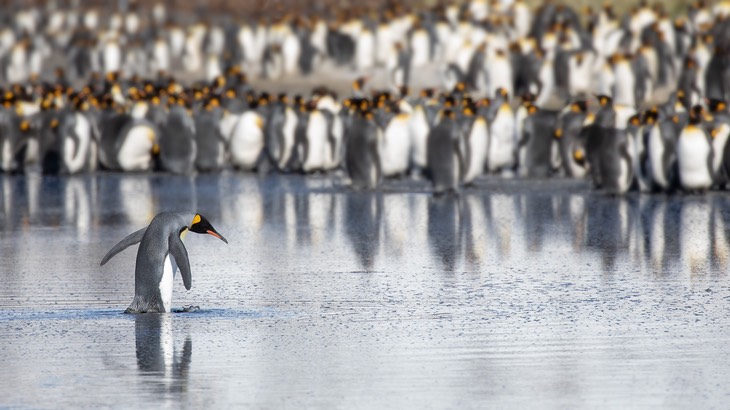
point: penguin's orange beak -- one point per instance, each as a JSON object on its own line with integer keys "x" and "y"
{"x": 216, "y": 234}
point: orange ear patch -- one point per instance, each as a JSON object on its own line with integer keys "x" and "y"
{"x": 196, "y": 219}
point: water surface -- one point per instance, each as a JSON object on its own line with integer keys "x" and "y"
{"x": 515, "y": 294}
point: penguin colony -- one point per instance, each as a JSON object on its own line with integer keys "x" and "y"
{"x": 638, "y": 101}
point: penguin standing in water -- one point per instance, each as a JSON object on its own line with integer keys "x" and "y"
{"x": 161, "y": 252}
{"x": 362, "y": 159}
{"x": 445, "y": 158}
{"x": 178, "y": 148}
{"x": 694, "y": 154}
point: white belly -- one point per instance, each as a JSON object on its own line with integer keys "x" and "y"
{"x": 135, "y": 154}
{"x": 419, "y": 137}
{"x": 656, "y": 152}
{"x": 501, "y": 142}
{"x": 692, "y": 154}
{"x": 168, "y": 274}
{"x": 396, "y": 146}
{"x": 478, "y": 143}
{"x": 317, "y": 142}
{"x": 247, "y": 141}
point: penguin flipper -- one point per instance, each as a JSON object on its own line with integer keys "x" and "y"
{"x": 178, "y": 251}
{"x": 125, "y": 243}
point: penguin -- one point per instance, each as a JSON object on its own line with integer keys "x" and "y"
{"x": 291, "y": 49}
{"x": 40, "y": 146}
{"x": 476, "y": 135}
{"x": 661, "y": 143}
{"x": 694, "y": 154}
{"x": 192, "y": 57}
{"x": 720, "y": 134}
{"x": 422, "y": 119}
{"x": 362, "y": 157}
{"x": 209, "y": 140}
{"x": 161, "y": 252}
{"x": 396, "y": 145}
{"x": 334, "y": 146}
{"x": 310, "y": 57}
{"x": 314, "y": 150}
{"x": 445, "y": 154}
{"x": 365, "y": 50}
{"x": 340, "y": 46}
{"x": 688, "y": 86}
{"x": 596, "y": 135}
{"x": 499, "y": 73}
{"x": 77, "y": 142}
{"x": 133, "y": 147}
{"x": 22, "y": 149}
{"x": 16, "y": 64}
{"x": 419, "y": 46}
{"x": 569, "y": 124}
{"x": 398, "y": 67}
{"x": 384, "y": 39}
{"x": 247, "y": 140}
{"x": 177, "y": 144}
{"x": 625, "y": 81}
{"x": 536, "y": 148}
{"x": 501, "y": 153}
{"x": 640, "y": 155}
{"x": 280, "y": 130}
{"x": 111, "y": 55}
{"x": 608, "y": 151}
{"x": 273, "y": 62}
{"x": 476, "y": 74}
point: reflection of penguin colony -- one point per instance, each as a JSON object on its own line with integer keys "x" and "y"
{"x": 634, "y": 101}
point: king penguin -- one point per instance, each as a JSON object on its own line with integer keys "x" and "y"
{"x": 445, "y": 159}
{"x": 694, "y": 154}
{"x": 178, "y": 147}
{"x": 362, "y": 157}
{"x": 161, "y": 252}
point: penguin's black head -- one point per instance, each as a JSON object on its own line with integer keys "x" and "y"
{"x": 201, "y": 225}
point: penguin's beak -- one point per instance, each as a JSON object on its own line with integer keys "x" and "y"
{"x": 216, "y": 234}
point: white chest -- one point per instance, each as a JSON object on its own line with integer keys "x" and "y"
{"x": 168, "y": 274}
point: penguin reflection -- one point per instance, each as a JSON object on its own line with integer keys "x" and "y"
{"x": 363, "y": 213}
{"x": 166, "y": 367}
{"x": 607, "y": 228}
{"x": 444, "y": 229}
{"x": 77, "y": 203}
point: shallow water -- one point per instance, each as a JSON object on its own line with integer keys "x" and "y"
{"x": 515, "y": 294}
